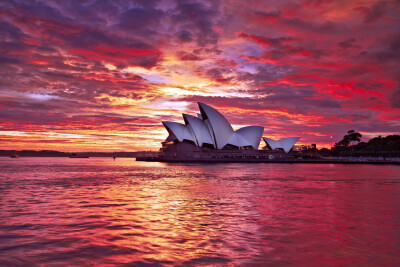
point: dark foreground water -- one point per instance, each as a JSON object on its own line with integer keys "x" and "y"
{"x": 100, "y": 212}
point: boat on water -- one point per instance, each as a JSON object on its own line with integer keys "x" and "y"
{"x": 14, "y": 156}
{"x": 74, "y": 155}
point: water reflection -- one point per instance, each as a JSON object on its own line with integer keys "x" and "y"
{"x": 104, "y": 212}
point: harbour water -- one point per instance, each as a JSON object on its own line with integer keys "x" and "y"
{"x": 101, "y": 212}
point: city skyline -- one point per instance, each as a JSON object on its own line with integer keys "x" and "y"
{"x": 101, "y": 75}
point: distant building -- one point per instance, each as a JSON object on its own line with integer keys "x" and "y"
{"x": 305, "y": 148}
{"x": 314, "y": 147}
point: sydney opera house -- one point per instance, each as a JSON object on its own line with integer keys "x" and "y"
{"x": 210, "y": 137}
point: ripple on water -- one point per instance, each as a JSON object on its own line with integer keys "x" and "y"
{"x": 58, "y": 212}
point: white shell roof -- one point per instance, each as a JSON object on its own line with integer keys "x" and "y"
{"x": 252, "y": 134}
{"x": 176, "y": 129}
{"x": 222, "y": 129}
{"x": 237, "y": 140}
{"x": 200, "y": 130}
{"x": 188, "y": 134}
{"x": 207, "y": 138}
{"x": 271, "y": 142}
{"x": 286, "y": 143}
{"x": 233, "y": 140}
{"x": 170, "y": 137}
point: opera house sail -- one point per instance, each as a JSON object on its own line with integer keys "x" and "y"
{"x": 286, "y": 143}
{"x": 210, "y": 137}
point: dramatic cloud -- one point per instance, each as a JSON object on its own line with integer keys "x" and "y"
{"x": 101, "y": 75}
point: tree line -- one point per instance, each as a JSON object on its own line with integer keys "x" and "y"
{"x": 351, "y": 145}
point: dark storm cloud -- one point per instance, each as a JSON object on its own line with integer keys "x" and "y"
{"x": 268, "y": 15}
{"x": 184, "y": 36}
{"x": 326, "y": 27}
{"x": 60, "y": 28}
{"x": 388, "y": 49}
{"x": 387, "y": 54}
{"x": 11, "y": 41}
{"x": 297, "y": 99}
{"x": 9, "y": 32}
{"x": 197, "y": 18}
{"x": 277, "y": 42}
{"x": 46, "y": 117}
{"x": 373, "y": 13}
{"x": 31, "y": 113}
{"x": 395, "y": 99}
{"x": 93, "y": 13}
{"x": 59, "y": 75}
{"x": 268, "y": 72}
{"x": 184, "y": 56}
{"x": 141, "y": 20}
{"x": 207, "y": 51}
{"x": 8, "y": 60}
{"x": 32, "y": 35}
{"x": 36, "y": 9}
{"x": 347, "y": 43}
{"x": 220, "y": 74}
{"x": 280, "y": 48}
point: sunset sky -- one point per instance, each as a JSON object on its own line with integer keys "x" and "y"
{"x": 102, "y": 75}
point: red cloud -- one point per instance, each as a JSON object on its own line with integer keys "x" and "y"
{"x": 266, "y": 41}
{"x": 118, "y": 55}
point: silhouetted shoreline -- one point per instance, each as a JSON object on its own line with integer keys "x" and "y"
{"x": 53, "y": 153}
